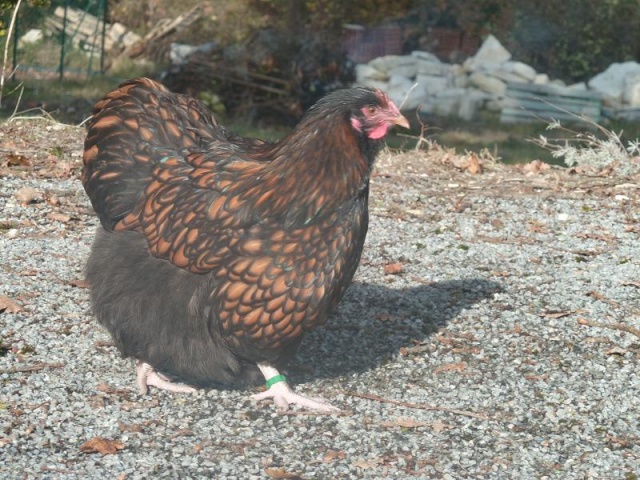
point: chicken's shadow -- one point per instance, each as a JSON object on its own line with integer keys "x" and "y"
{"x": 373, "y": 322}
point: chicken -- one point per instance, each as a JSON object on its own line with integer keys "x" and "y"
{"x": 216, "y": 253}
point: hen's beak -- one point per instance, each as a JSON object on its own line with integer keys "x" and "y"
{"x": 395, "y": 117}
{"x": 400, "y": 120}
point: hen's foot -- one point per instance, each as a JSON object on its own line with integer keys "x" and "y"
{"x": 283, "y": 396}
{"x": 148, "y": 377}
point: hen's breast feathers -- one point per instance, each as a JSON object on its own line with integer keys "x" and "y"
{"x": 277, "y": 238}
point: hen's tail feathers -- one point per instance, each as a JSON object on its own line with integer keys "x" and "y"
{"x": 133, "y": 129}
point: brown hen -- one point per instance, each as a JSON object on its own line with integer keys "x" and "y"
{"x": 215, "y": 252}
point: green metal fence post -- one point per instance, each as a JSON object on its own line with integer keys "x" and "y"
{"x": 63, "y": 39}
{"x": 104, "y": 33}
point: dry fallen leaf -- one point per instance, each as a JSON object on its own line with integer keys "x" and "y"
{"x": 131, "y": 427}
{"x": 439, "y": 426}
{"x": 616, "y": 351}
{"x": 450, "y": 367}
{"x": 274, "y": 472}
{"x": 393, "y": 268}
{"x": 8, "y": 305}
{"x": 332, "y": 455}
{"x": 404, "y": 422}
{"x": 17, "y": 160}
{"x": 473, "y": 164}
{"x": 556, "y": 314}
{"x": 362, "y": 463}
{"x": 53, "y": 200}
{"x": 79, "y": 283}
{"x": 536, "y": 166}
{"x": 101, "y": 445}
{"x": 58, "y": 217}
{"x": 27, "y": 195}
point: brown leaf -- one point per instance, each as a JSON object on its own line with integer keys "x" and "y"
{"x": 276, "y": 472}
{"x": 53, "y": 200}
{"x": 79, "y": 283}
{"x": 597, "y": 296}
{"x": 536, "y": 226}
{"x": 131, "y": 427}
{"x": 8, "y": 305}
{"x": 393, "y": 268}
{"x": 58, "y": 217}
{"x": 439, "y": 426}
{"x": 597, "y": 236}
{"x": 17, "y": 160}
{"x": 362, "y": 463}
{"x": 101, "y": 445}
{"x": 556, "y": 314}
{"x": 385, "y": 317}
{"x": 403, "y": 422}
{"x": 473, "y": 164}
{"x": 536, "y": 166}
{"x": 450, "y": 367}
{"x": 631, "y": 284}
{"x": 459, "y": 162}
{"x": 616, "y": 351}
{"x": 27, "y": 195}
{"x": 332, "y": 455}
{"x": 183, "y": 432}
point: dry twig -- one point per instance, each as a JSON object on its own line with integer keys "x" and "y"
{"x": 612, "y": 326}
{"x": 31, "y": 368}
{"x": 420, "y": 406}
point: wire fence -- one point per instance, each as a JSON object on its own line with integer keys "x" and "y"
{"x": 65, "y": 39}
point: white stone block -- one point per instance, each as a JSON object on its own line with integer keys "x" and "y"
{"x": 427, "y": 56}
{"x": 389, "y": 62}
{"x": 370, "y": 82}
{"x": 432, "y": 68}
{"x": 491, "y": 52}
{"x": 403, "y": 93}
{"x": 631, "y": 94}
{"x": 507, "y": 76}
{"x": 32, "y": 36}
{"x": 577, "y": 87}
{"x": 523, "y": 70}
{"x": 470, "y": 104}
{"x": 488, "y": 84}
{"x": 366, "y": 71}
{"x": 447, "y": 106}
{"x": 432, "y": 84}
{"x": 541, "y": 79}
{"x": 611, "y": 82}
{"x": 408, "y": 71}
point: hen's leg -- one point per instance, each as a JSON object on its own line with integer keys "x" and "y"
{"x": 148, "y": 377}
{"x": 283, "y": 396}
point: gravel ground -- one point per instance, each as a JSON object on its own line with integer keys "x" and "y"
{"x": 460, "y": 351}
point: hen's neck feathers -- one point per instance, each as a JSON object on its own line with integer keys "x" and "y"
{"x": 321, "y": 165}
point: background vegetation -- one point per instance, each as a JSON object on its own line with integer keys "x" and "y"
{"x": 568, "y": 39}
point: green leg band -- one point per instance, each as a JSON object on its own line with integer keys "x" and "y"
{"x": 277, "y": 379}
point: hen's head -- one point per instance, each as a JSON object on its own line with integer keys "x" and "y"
{"x": 368, "y": 111}
{"x": 373, "y": 113}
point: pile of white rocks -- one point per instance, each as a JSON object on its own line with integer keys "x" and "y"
{"x": 619, "y": 86}
{"x": 421, "y": 81}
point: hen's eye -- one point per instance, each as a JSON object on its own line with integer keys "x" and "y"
{"x": 371, "y": 110}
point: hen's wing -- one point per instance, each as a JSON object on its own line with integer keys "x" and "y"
{"x": 158, "y": 163}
